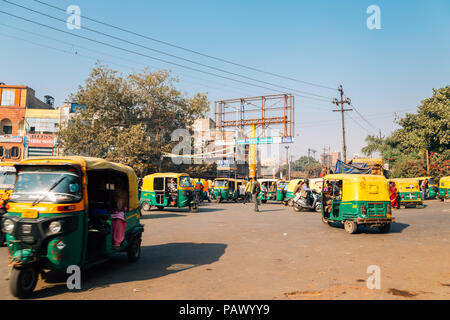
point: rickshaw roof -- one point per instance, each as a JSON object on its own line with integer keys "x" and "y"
{"x": 90, "y": 163}
{"x": 405, "y": 180}
{"x": 445, "y": 178}
{"x": 166, "y": 175}
{"x": 7, "y": 164}
{"x": 355, "y": 177}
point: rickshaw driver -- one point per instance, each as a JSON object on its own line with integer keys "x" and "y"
{"x": 327, "y": 190}
{"x": 297, "y": 190}
{"x": 172, "y": 186}
{"x": 308, "y": 191}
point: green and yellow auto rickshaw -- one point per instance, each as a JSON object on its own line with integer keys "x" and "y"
{"x": 289, "y": 198}
{"x": 225, "y": 189}
{"x": 356, "y": 199}
{"x": 56, "y": 219}
{"x": 281, "y": 190}
{"x": 174, "y": 190}
{"x": 433, "y": 187}
{"x": 7, "y": 179}
{"x": 409, "y": 191}
{"x": 444, "y": 188}
{"x": 268, "y": 189}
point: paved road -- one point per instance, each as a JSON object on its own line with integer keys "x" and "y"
{"x": 227, "y": 251}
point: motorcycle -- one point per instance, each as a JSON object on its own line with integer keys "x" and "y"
{"x": 301, "y": 203}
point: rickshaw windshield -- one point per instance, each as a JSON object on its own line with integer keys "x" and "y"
{"x": 220, "y": 183}
{"x": 185, "y": 182}
{"x": 48, "y": 184}
{"x": 282, "y": 185}
{"x": 7, "y": 180}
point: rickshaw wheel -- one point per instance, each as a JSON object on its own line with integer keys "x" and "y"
{"x": 385, "y": 228}
{"x": 263, "y": 201}
{"x": 160, "y": 208}
{"x": 317, "y": 208}
{"x": 23, "y": 281}
{"x": 325, "y": 221}
{"x": 2, "y": 239}
{"x": 350, "y": 226}
{"x": 134, "y": 250}
{"x": 193, "y": 207}
{"x": 146, "y": 206}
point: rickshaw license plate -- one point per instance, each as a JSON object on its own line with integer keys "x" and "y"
{"x": 31, "y": 214}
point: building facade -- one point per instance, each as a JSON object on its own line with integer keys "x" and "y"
{"x": 28, "y": 126}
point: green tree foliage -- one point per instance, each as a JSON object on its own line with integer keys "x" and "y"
{"x": 428, "y": 129}
{"x": 129, "y": 119}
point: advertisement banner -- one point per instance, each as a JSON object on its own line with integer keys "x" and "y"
{"x": 41, "y": 140}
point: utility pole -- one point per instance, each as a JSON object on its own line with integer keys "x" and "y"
{"x": 342, "y": 110}
{"x": 288, "y": 165}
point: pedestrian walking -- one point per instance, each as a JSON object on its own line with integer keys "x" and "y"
{"x": 248, "y": 191}
{"x": 256, "y": 189}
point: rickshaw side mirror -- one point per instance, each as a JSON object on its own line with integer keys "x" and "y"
{"x": 73, "y": 187}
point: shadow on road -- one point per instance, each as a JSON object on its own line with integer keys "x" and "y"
{"x": 161, "y": 215}
{"x": 396, "y": 227}
{"x": 156, "y": 261}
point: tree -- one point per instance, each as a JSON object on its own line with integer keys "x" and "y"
{"x": 129, "y": 119}
{"x": 428, "y": 129}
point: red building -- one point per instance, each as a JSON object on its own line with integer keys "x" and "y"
{"x": 14, "y": 100}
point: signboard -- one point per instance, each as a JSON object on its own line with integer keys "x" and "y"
{"x": 265, "y": 140}
{"x": 13, "y": 139}
{"x": 7, "y": 168}
{"x": 226, "y": 164}
{"x": 41, "y": 140}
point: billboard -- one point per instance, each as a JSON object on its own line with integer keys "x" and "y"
{"x": 41, "y": 140}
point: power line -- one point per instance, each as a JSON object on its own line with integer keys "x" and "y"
{"x": 168, "y": 54}
{"x": 186, "y": 49}
{"x": 150, "y": 57}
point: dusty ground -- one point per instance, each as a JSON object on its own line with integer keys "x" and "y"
{"x": 227, "y": 251}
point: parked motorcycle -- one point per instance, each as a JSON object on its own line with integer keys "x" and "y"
{"x": 301, "y": 203}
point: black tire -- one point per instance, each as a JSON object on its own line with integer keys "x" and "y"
{"x": 193, "y": 207}
{"x": 23, "y": 281}
{"x": 325, "y": 221}
{"x": 385, "y": 228}
{"x": 297, "y": 208}
{"x": 160, "y": 208}
{"x": 134, "y": 250}
{"x": 146, "y": 206}
{"x": 2, "y": 238}
{"x": 263, "y": 201}
{"x": 350, "y": 226}
{"x": 317, "y": 208}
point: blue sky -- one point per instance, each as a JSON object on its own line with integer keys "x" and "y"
{"x": 324, "y": 42}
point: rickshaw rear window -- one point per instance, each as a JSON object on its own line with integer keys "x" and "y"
{"x": 185, "y": 182}
{"x": 220, "y": 183}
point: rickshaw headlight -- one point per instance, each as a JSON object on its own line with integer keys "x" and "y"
{"x": 55, "y": 227}
{"x": 8, "y": 226}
